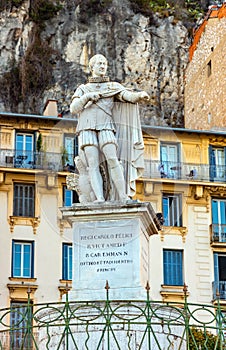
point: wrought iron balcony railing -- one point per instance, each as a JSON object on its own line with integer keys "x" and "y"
{"x": 153, "y": 168}
{"x": 35, "y": 160}
{"x": 218, "y": 233}
{"x": 184, "y": 171}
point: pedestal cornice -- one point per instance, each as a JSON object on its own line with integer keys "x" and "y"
{"x": 117, "y": 209}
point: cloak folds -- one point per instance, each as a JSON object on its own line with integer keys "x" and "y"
{"x": 130, "y": 142}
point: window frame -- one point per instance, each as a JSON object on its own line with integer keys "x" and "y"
{"x": 172, "y": 168}
{"x": 219, "y": 274}
{"x": 74, "y": 196}
{"x": 67, "y": 261}
{"x": 209, "y": 68}
{"x": 71, "y": 156}
{"x": 217, "y": 171}
{"x": 173, "y": 271}
{"x": 22, "y": 259}
{"x": 174, "y": 206}
{"x": 24, "y": 154}
{"x": 218, "y": 217}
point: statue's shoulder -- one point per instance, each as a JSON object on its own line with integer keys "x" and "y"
{"x": 114, "y": 85}
{"x": 83, "y": 87}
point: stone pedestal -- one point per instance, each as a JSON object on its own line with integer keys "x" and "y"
{"x": 111, "y": 243}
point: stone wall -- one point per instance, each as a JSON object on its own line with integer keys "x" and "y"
{"x": 205, "y": 87}
{"x": 149, "y": 53}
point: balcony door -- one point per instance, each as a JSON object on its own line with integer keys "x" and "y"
{"x": 219, "y": 220}
{"x": 20, "y": 321}
{"x": 170, "y": 160}
{"x": 71, "y": 147}
{"x": 220, "y": 275}
{"x": 24, "y": 155}
{"x": 217, "y": 163}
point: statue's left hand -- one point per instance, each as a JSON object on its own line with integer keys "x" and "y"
{"x": 143, "y": 96}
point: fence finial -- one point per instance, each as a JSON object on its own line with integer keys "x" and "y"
{"x": 185, "y": 289}
{"x": 107, "y": 287}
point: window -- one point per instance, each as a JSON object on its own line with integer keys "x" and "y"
{"x": 67, "y": 261}
{"x": 171, "y": 206}
{"x": 220, "y": 274}
{"x": 173, "y": 267}
{"x": 169, "y": 154}
{"x": 70, "y": 197}
{"x": 209, "y": 68}
{"x": 217, "y": 163}
{"x": 24, "y": 200}
{"x": 219, "y": 220}
{"x": 23, "y": 259}
{"x": 71, "y": 147}
{"x": 24, "y": 156}
{"x": 20, "y": 319}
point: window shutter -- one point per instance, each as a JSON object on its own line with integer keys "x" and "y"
{"x": 216, "y": 268}
{"x": 26, "y": 260}
{"x": 70, "y": 262}
{"x": 165, "y": 207}
{"x": 212, "y": 163}
{"x": 165, "y": 267}
{"x": 32, "y": 258}
{"x": 65, "y": 261}
{"x": 173, "y": 267}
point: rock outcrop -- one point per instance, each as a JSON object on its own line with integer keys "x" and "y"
{"x": 148, "y": 53}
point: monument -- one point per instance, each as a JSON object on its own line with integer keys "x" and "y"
{"x": 111, "y": 231}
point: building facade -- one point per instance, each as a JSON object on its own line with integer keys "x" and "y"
{"x": 36, "y": 153}
{"x": 184, "y": 179}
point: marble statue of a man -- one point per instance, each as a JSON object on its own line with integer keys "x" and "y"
{"x": 109, "y": 132}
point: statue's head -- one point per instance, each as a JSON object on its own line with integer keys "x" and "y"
{"x": 98, "y": 65}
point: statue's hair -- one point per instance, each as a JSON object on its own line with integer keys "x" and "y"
{"x": 93, "y": 60}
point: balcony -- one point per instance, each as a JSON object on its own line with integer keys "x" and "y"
{"x": 184, "y": 171}
{"x": 34, "y": 160}
{"x": 218, "y": 233}
{"x": 219, "y": 290}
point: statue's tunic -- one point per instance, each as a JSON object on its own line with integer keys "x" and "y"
{"x": 98, "y": 115}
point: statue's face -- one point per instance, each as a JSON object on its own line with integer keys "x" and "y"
{"x": 99, "y": 68}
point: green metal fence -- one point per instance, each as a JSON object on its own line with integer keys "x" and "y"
{"x": 113, "y": 325}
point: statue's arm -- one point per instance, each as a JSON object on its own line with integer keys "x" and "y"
{"x": 134, "y": 97}
{"x": 80, "y": 99}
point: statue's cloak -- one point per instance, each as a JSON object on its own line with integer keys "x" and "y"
{"x": 130, "y": 142}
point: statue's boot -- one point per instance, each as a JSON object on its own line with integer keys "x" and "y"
{"x": 119, "y": 182}
{"x": 97, "y": 184}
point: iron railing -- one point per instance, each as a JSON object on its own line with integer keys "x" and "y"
{"x": 114, "y": 325}
{"x": 35, "y": 160}
{"x": 218, "y": 233}
{"x": 153, "y": 168}
{"x": 219, "y": 290}
{"x": 184, "y": 171}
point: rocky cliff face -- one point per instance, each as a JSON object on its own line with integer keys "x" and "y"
{"x": 144, "y": 53}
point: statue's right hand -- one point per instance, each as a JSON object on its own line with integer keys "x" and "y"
{"x": 93, "y": 96}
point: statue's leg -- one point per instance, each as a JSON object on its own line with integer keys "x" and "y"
{"x": 115, "y": 169}
{"x": 92, "y": 157}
